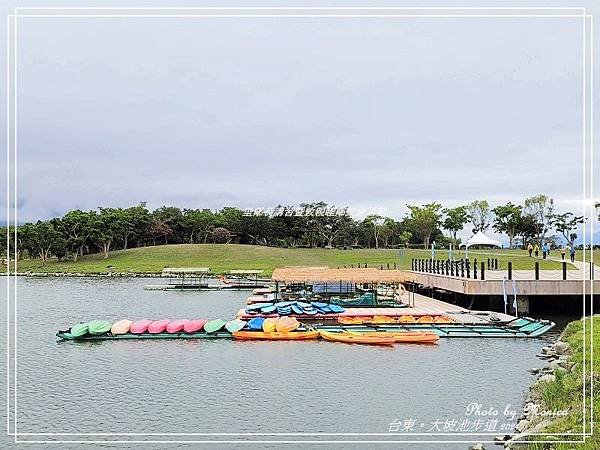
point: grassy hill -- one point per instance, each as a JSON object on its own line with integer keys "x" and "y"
{"x": 224, "y": 257}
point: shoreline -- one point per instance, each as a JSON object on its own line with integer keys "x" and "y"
{"x": 553, "y": 403}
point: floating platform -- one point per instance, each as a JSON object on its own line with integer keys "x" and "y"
{"x": 207, "y": 287}
{"x": 518, "y": 328}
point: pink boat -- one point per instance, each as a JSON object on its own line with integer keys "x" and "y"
{"x": 176, "y": 326}
{"x": 139, "y": 327}
{"x": 158, "y": 326}
{"x": 193, "y": 326}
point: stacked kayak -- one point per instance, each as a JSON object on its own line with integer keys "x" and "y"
{"x": 275, "y": 329}
{"x": 403, "y": 319}
{"x": 293, "y": 307}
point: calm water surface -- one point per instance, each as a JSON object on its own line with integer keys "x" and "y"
{"x": 221, "y": 386}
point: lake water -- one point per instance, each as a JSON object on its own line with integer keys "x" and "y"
{"x": 222, "y": 386}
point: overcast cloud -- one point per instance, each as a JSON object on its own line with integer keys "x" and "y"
{"x": 370, "y": 113}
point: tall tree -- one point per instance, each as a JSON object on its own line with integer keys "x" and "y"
{"x": 507, "y": 219}
{"x": 376, "y": 223}
{"x": 425, "y": 221}
{"x": 76, "y": 228}
{"x": 455, "y": 220}
{"x": 479, "y": 214}
{"x": 541, "y": 208}
{"x": 566, "y": 224}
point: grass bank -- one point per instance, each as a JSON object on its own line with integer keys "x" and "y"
{"x": 565, "y": 392}
{"x": 224, "y": 257}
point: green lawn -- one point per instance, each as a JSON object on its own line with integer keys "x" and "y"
{"x": 566, "y": 392}
{"x": 223, "y": 257}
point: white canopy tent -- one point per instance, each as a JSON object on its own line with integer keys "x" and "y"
{"x": 481, "y": 239}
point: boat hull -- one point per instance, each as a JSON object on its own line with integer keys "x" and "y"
{"x": 275, "y": 336}
{"x": 355, "y": 338}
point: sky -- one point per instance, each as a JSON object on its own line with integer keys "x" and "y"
{"x": 254, "y": 112}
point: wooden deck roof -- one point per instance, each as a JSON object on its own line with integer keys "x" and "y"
{"x": 323, "y": 275}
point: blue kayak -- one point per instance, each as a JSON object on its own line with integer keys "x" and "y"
{"x": 256, "y": 323}
{"x": 257, "y": 306}
{"x": 319, "y": 304}
{"x": 311, "y": 311}
{"x": 284, "y": 311}
{"x": 323, "y": 309}
{"x": 297, "y": 309}
{"x": 336, "y": 308}
{"x": 303, "y": 304}
{"x": 283, "y": 304}
{"x": 268, "y": 309}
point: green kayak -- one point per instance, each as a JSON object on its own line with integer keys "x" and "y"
{"x": 97, "y": 327}
{"x": 214, "y": 325}
{"x": 79, "y": 330}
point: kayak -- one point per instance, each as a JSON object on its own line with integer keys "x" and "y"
{"x": 81, "y": 329}
{"x": 351, "y": 338}
{"x": 303, "y": 304}
{"x": 256, "y": 323}
{"x": 121, "y": 326}
{"x": 382, "y": 319}
{"x": 97, "y": 327}
{"x": 139, "y": 327}
{"x": 284, "y": 311}
{"x": 351, "y": 320}
{"x": 235, "y": 325}
{"x": 403, "y": 336}
{"x": 286, "y": 324}
{"x": 214, "y": 325}
{"x": 158, "y": 326}
{"x": 269, "y": 325}
{"x": 176, "y": 326}
{"x": 275, "y": 336}
{"x": 268, "y": 309}
{"x": 193, "y": 326}
{"x": 320, "y": 304}
{"x": 425, "y": 319}
{"x": 297, "y": 309}
{"x": 257, "y": 306}
{"x": 335, "y": 308}
{"x": 311, "y": 311}
{"x": 442, "y": 319}
{"x": 407, "y": 319}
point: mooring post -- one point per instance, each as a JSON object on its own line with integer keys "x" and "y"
{"x": 488, "y": 263}
{"x": 451, "y": 269}
{"x": 496, "y": 264}
{"x": 394, "y": 266}
{"x": 388, "y": 266}
{"x": 564, "y": 270}
{"x": 447, "y": 267}
{"x": 475, "y": 270}
{"x": 537, "y": 270}
{"x": 510, "y": 270}
{"x": 462, "y": 268}
{"x": 483, "y": 271}
{"x": 468, "y": 268}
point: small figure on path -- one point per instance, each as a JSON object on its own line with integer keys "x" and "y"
{"x": 536, "y": 250}
{"x": 563, "y": 252}
{"x": 530, "y": 249}
{"x": 572, "y": 253}
{"x": 545, "y": 250}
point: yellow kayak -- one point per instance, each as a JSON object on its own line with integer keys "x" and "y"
{"x": 286, "y": 324}
{"x": 355, "y": 338}
{"x": 269, "y": 325}
{"x": 259, "y": 335}
{"x": 407, "y": 319}
{"x": 424, "y": 337}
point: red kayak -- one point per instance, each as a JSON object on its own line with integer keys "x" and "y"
{"x": 194, "y": 326}
{"x": 139, "y": 327}
{"x": 176, "y": 326}
{"x": 158, "y": 326}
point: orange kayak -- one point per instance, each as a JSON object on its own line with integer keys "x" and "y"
{"x": 382, "y": 319}
{"x": 423, "y": 337}
{"x": 269, "y": 325}
{"x": 286, "y": 324}
{"x": 443, "y": 319}
{"x": 425, "y": 319}
{"x": 355, "y": 338}
{"x": 275, "y": 336}
{"x": 350, "y": 320}
{"x": 407, "y": 319}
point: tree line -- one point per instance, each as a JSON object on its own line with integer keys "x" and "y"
{"x": 319, "y": 224}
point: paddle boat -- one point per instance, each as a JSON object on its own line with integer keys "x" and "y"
{"x": 193, "y": 326}
{"x": 214, "y": 325}
{"x": 176, "y": 326}
{"x": 97, "y": 327}
{"x": 269, "y": 325}
{"x": 121, "y": 327}
{"x": 286, "y": 324}
{"x": 139, "y": 327}
{"x": 158, "y": 326}
{"x": 235, "y": 325}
